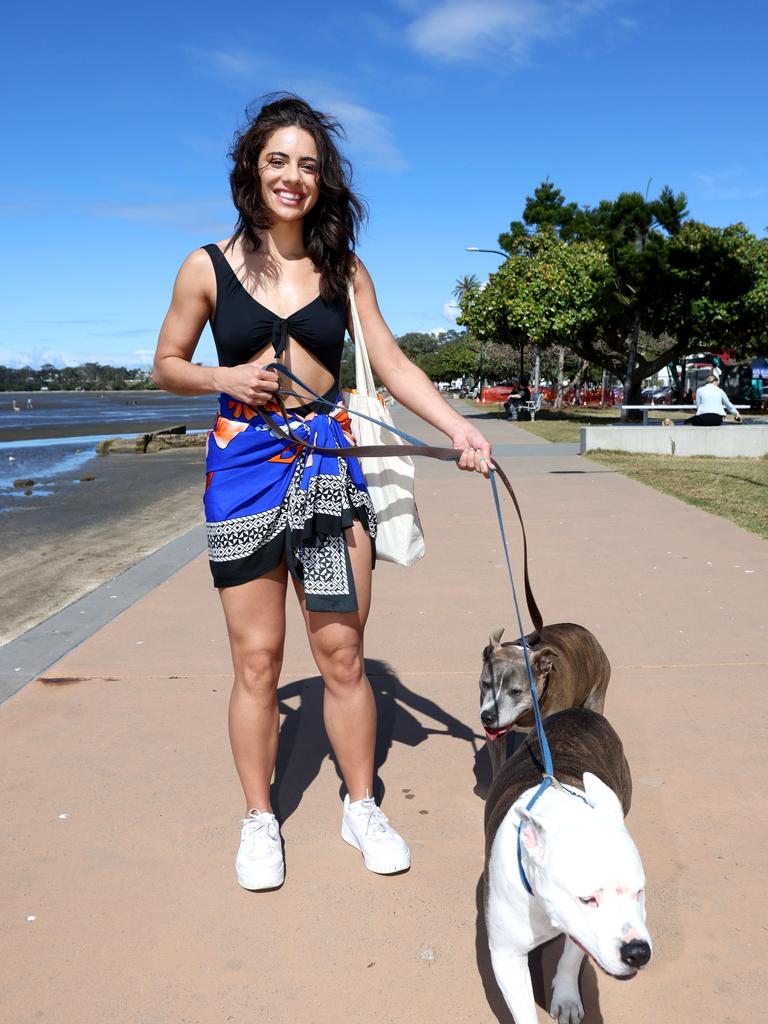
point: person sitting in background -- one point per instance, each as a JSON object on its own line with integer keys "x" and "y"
{"x": 712, "y": 405}
{"x": 518, "y": 398}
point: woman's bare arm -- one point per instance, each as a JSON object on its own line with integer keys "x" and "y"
{"x": 408, "y": 384}
{"x": 192, "y": 303}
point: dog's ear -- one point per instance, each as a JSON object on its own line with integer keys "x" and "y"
{"x": 603, "y": 799}
{"x": 532, "y": 834}
{"x": 543, "y": 660}
{"x": 494, "y": 640}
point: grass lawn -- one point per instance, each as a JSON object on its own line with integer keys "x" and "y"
{"x": 566, "y": 425}
{"x": 736, "y": 489}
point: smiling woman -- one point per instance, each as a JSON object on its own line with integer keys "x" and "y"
{"x": 277, "y": 290}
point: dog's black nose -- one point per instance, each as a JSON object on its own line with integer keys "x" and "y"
{"x": 488, "y": 717}
{"x": 635, "y": 953}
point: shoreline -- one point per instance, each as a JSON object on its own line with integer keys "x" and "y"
{"x": 82, "y": 391}
{"x": 57, "y": 548}
{"x": 116, "y": 428}
{"x": 59, "y": 414}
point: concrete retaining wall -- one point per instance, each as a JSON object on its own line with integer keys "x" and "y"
{"x": 727, "y": 441}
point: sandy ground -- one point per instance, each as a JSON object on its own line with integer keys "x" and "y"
{"x": 120, "y": 806}
{"x": 56, "y": 548}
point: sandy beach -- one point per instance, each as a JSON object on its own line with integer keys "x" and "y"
{"x": 56, "y": 548}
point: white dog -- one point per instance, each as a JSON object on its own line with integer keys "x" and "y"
{"x": 577, "y": 857}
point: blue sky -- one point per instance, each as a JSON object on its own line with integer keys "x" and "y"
{"x": 119, "y": 121}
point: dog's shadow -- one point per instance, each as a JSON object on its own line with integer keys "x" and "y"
{"x": 302, "y": 731}
{"x": 542, "y": 961}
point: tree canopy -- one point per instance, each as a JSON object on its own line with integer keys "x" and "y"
{"x": 630, "y": 285}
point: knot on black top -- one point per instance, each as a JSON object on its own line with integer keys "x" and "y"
{"x": 279, "y": 335}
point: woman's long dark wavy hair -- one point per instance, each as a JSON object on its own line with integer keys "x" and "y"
{"x": 331, "y": 228}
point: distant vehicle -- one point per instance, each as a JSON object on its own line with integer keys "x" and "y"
{"x": 659, "y": 396}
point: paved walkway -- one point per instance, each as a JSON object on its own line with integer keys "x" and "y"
{"x": 120, "y": 804}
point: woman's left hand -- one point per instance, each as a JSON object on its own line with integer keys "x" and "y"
{"x": 476, "y": 450}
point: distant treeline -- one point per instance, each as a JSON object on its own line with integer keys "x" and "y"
{"x": 88, "y": 377}
{"x": 442, "y": 356}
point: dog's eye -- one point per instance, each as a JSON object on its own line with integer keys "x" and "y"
{"x": 588, "y": 901}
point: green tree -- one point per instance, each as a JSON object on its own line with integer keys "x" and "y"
{"x": 455, "y": 358}
{"x": 548, "y": 293}
{"x": 468, "y": 283}
{"x": 675, "y": 286}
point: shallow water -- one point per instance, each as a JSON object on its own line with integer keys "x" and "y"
{"x": 51, "y": 462}
{"x": 43, "y": 462}
{"x": 69, "y": 409}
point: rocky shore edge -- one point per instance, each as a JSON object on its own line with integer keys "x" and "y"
{"x": 167, "y": 439}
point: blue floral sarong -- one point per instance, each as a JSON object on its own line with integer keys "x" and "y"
{"x": 265, "y": 498}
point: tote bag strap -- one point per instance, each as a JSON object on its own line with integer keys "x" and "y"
{"x": 363, "y": 372}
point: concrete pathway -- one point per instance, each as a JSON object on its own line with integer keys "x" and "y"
{"x": 121, "y": 806}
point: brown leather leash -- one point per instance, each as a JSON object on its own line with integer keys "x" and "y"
{"x": 398, "y": 451}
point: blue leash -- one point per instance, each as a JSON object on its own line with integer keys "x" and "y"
{"x": 549, "y": 777}
{"x": 420, "y": 448}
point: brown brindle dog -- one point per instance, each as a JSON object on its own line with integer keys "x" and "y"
{"x": 570, "y": 669}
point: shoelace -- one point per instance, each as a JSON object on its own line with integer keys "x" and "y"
{"x": 377, "y": 822}
{"x": 257, "y": 826}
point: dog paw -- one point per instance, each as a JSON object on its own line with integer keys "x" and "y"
{"x": 566, "y": 1009}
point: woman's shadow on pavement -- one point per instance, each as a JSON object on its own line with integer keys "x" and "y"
{"x": 303, "y": 733}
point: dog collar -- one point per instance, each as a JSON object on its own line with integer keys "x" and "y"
{"x": 546, "y": 782}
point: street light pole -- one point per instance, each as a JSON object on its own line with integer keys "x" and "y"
{"x": 498, "y": 252}
{"x": 473, "y": 248}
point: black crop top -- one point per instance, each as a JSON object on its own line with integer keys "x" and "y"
{"x": 242, "y": 326}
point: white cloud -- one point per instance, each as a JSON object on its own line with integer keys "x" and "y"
{"x": 450, "y": 311}
{"x": 208, "y": 216}
{"x": 145, "y": 356}
{"x": 59, "y": 323}
{"x": 17, "y": 209}
{"x": 226, "y": 64}
{"x": 466, "y": 30}
{"x": 369, "y": 134}
{"x": 730, "y": 184}
{"x": 36, "y": 357}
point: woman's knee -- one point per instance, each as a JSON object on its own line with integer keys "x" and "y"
{"x": 343, "y": 668}
{"x": 257, "y": 671}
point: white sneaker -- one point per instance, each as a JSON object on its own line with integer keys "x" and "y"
{"x": 259, "y": 862}
{"x": 367, "y": 828}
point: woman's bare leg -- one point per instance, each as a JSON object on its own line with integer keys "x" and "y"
{"x": 336, "y": 640}
{"x": 255, "y": 614}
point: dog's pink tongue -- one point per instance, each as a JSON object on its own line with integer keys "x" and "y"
{"x": 493, "y": 734}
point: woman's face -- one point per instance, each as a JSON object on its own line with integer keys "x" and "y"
{"x": 288, "y": 169}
